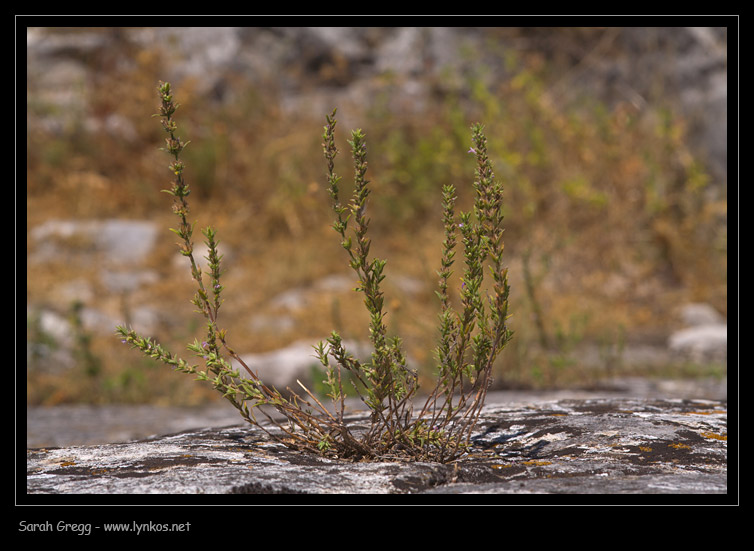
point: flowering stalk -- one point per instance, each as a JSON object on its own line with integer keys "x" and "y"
{"x": 386, "y": 381}
{"x": 469, "y": 340}
{"x": 309, "y": 424}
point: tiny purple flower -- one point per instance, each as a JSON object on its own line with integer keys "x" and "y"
{"x": 471, "y": 150}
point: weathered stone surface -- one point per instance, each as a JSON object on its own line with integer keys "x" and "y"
{"x": 567, "y": 446}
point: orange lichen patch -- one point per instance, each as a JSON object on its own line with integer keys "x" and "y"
{"x": 645, "y": 449}
{"x": 501, "y": 466}
{"x": 558, "y": 415}
{"x": 712, "y": 412}
{"x": 680, "y": 446}
{"x": 537, "y": 463}
{"x": 67, "y": 463}
{"x": 715, "y": 436}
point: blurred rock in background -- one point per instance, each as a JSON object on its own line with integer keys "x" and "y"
{"x": 611, "y": 143}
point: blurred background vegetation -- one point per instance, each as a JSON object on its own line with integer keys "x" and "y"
{"x": 615, "y": 216}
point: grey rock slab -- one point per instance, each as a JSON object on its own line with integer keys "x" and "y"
{"x": 85, "y": 425}
{"x": 281, "y": 368}
{"x": 227, "y": 460}
{"x": 699, "y": 313}
{"x": 705, "y": 339}
{"x": 702, "y": 343}
{"x": 604, "y": 446}
{"x": 122, "y": 242}
{"x": 81, "y": 424}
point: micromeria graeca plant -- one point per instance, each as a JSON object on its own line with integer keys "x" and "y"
{"x": 443, "y": 427}
{"x": 469, "y": 340}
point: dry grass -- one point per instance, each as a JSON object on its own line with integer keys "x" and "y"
{"x": 620, "y": 219}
